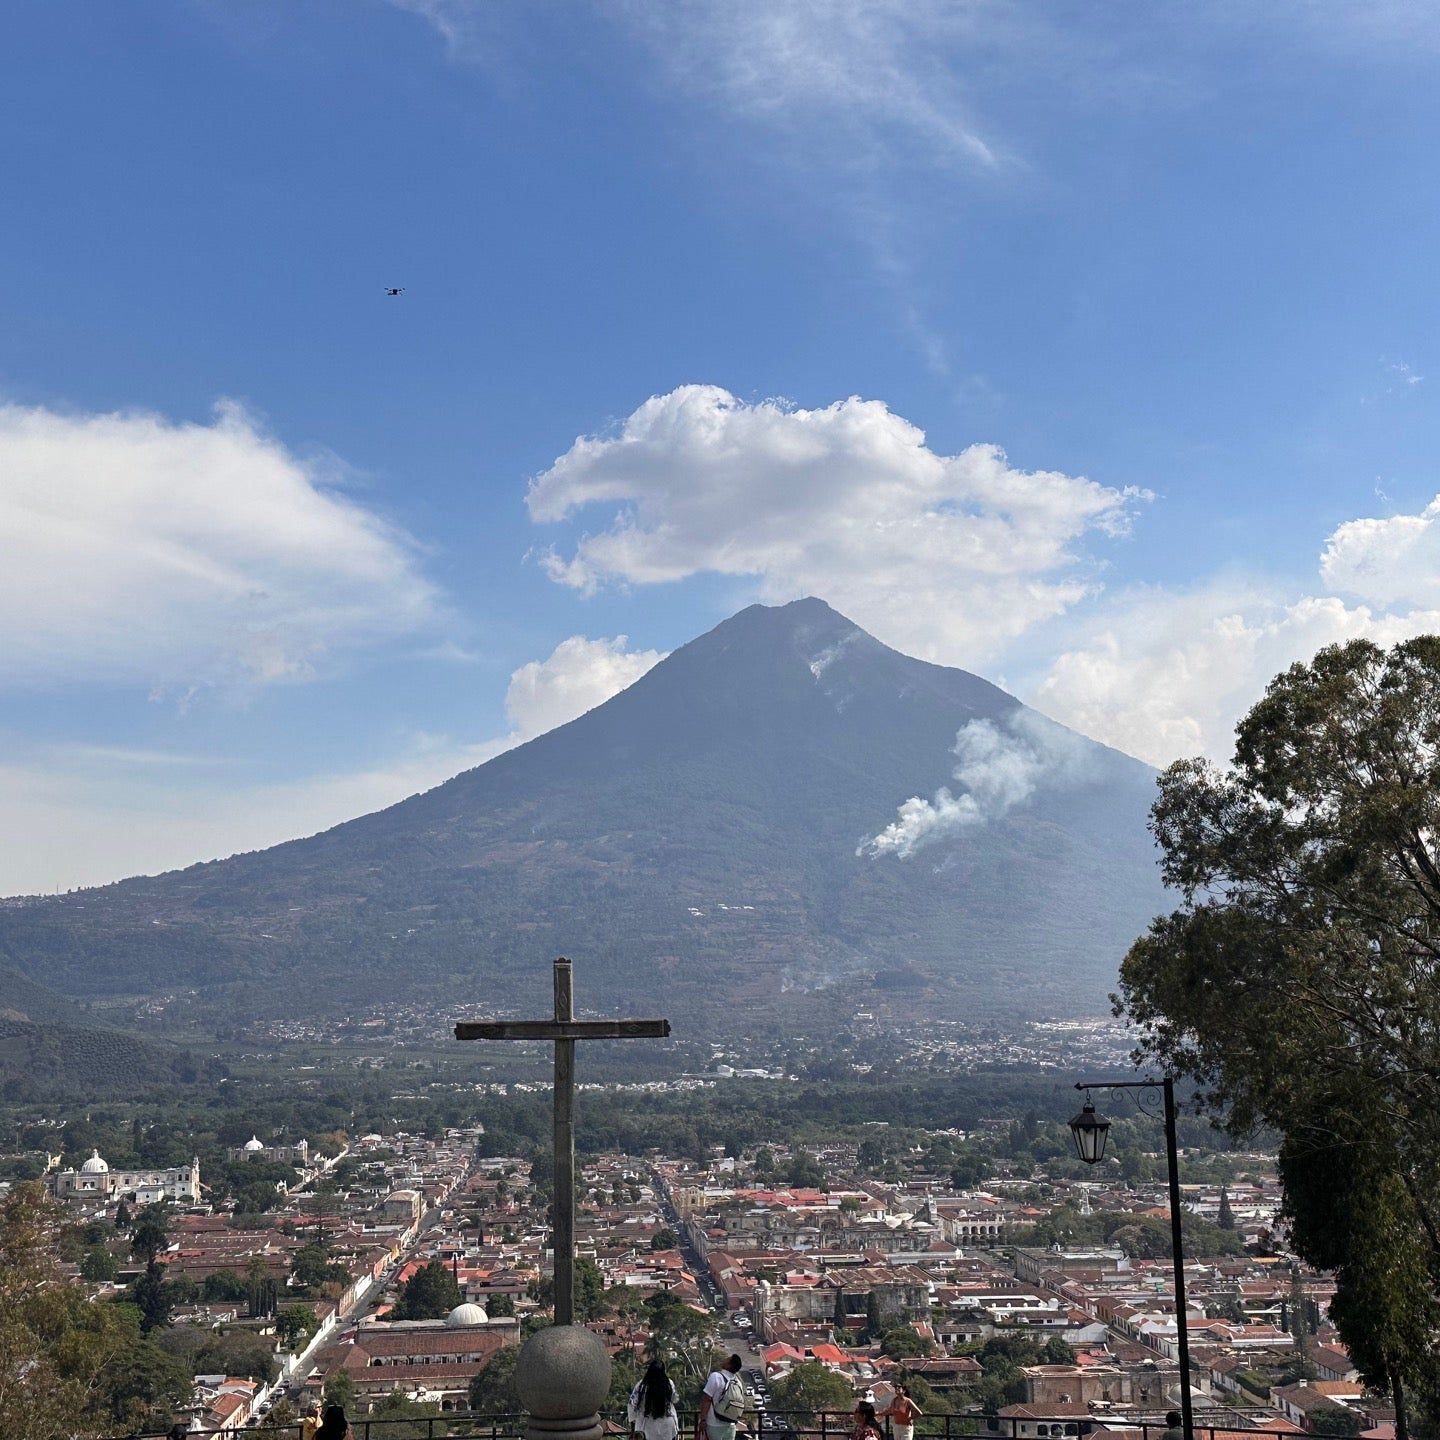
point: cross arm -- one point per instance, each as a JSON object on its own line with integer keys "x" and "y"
{"x": 562, "y": 1029}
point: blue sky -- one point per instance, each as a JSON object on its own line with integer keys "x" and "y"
{"x": 270, "y": 560}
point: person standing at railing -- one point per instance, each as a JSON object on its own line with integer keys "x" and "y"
{"x": 722, "y": 1402}
{"x": 651, "y": 1411}
{"x": 867, "y": 1424}
{"x": 334, "y": 1426}
{"x": 1174, "y": 1426}
{"x": 311, "y": 1422}
{"x": 902, "y": 1413}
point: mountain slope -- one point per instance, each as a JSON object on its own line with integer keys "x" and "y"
{"x": 25, "y": 1000}
{"x": 742, "y": 772}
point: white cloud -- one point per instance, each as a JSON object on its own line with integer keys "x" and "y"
{"x": 578, "y": 675}
{"x": 136, "y": 550}
{"x": 1165, "y": 673}
{"x": 949, "y": 556}
{"x": 998, "y": 766}
{"x": 1392, "y": 561}
{"x": 875, "y": 72}
{"x": 82, "y": 814}
{"x": 1161, "y": 674}
{"x": 864, "y": 77}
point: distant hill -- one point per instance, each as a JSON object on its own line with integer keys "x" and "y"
{"x": 22, "y": 998}
{"x": 694, "y": 842}
{"x": 51, "y": 1048}
{"x": 48, "y": 1062}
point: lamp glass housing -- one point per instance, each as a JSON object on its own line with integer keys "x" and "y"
{"x": 1090, "y": 1131}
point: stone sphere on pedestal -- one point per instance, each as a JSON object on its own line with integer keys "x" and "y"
{"x": 562, "y": 1373}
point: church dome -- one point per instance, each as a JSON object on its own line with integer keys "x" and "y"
{"x": 94, "y": 1165}
{"x": 253, "y": 1145}
{"x": 463, "y": 1315}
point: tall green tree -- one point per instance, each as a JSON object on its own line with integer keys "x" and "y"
{"x": 153, "y": 1298}
{"x": 430, "y": 1294}
{"x": 99, "y": 1264}
{"x": 295, "y": 1324}
{"x": 1296, "y": 982}
{"x": 811, "y": 1388}
{"x": 681, "y": 1334}
{"x": 151, "y": 1236}
{"x": 874, "y": 1321}
{"x": 492, "y": 1389}
{"x": 1225, "y": 1219}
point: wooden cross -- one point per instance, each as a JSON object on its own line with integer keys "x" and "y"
{"x": 564, "y": 1030}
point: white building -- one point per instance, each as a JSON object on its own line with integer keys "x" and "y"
{"x": 254, "y": 1148}
{"x": 96, "y": 1181}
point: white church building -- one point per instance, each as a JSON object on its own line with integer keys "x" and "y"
{"x": 96, "y": 1181}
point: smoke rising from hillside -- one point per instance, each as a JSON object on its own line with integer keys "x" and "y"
{"x": 999, "y": 766}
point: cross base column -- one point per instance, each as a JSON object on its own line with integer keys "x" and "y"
{"x": 562, "y": 1378}
{"x": 588, "y": 1427}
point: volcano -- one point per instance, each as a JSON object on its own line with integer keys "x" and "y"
{"x": 723, "y": 837}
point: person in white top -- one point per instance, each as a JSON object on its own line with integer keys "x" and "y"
{"x": 722, "y": 1402}
{"x": 651, "y": 1411}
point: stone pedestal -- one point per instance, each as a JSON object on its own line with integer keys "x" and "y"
{"x": 562, "y": 1377}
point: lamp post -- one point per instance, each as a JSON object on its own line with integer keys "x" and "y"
{"x": 1091, "y": 1131}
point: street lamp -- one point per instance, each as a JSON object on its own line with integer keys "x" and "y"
{"x": 1090, "y": 1131}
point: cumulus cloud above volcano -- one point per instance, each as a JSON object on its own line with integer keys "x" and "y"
{"x": 949, "y": 556}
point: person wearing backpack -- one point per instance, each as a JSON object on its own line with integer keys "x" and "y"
{"x": 722, "y": 1402}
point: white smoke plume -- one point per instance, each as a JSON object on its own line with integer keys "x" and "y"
{"x": 998, "y": 766}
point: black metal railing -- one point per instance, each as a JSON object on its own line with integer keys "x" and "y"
{"x": 771, "y": 1424}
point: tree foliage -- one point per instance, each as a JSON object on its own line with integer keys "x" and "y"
{"x": 151, "y": 1236}
{"x": 339, "y": 1390}
{"x": 430, "y": 1294}
{"x": 405, "y": 1419}
{"x": 66, "y": 1364}
{"x": 902, "y": 1343}
{"x": 1335, "y": 1420}
{"x": 98, "y": 1265}
{"x": 1297, "y": 980}
{"x": 1225, "y": 1219}
{"x": 312, "y": 1270}
{"x": 811, "y": 1388}
{"x": 681, "y": 1334}
{"x": 492, "y": 1389}
{"x": 295, "y": 1324}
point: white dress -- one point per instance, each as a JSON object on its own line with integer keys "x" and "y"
{"x": 653, "y": 1427}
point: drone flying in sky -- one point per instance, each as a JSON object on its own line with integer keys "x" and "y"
{"x": 394, "y": 290}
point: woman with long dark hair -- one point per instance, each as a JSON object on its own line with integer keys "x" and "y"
{"x": 652, "y": 1405}
{"x": 334, "y": 1426}
{"x": 867, "y": 1424}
